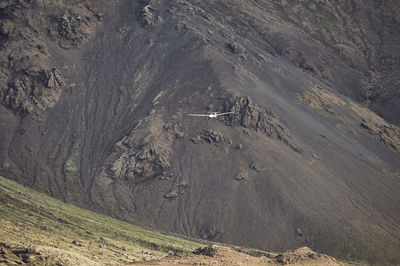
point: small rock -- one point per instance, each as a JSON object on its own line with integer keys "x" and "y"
{"x": 171, "y": 195}
{"x": 76, "y": 243}
{"x": 237, "y": 48}
{"x": 261, "y": 57}
{"x": 299, "y": 232}
{"x": 102, "y": 245}
{"x": 239, "y": 177}
{"x": 122, "y": 30}
{"x": 183, "y": 184}
{"x": 28, "y": 258}
{"x": 148, "y": 18}
{"x": 171, "y": 253}
{"x": 99, "y": 16}
{"x": 212, "y": 136}
{"x": 54, "y": 79}
{"x": 179, "y": 135}
{"x": 315, "y": 156}
{"x": 196, "y": 140}
{"x": 254, "y": 166}
{"x": 239, "y": 147}
{"x": 206, "y": 251}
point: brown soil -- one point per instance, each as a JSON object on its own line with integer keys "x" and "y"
{"x": 325, "y": 101}
{"x": 11, "y": 254}
{"x": 228, "y": 256}
{"x": 377, "y": 127}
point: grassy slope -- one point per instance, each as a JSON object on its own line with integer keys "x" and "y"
{"x": 45, "y": 229}
{"x": 30, "y": 217}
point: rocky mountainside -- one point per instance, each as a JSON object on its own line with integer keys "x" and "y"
{"x": 95, "y": 97}
{"x": 38, "y": 230}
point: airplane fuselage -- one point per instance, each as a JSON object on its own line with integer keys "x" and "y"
{"x": 212, "y": 115}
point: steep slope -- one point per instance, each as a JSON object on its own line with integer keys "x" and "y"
{"x": 301, "y": 162}
{"x": 38, "y": 230}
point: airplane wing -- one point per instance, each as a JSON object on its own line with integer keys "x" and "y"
{"x": 196, "y": 115}
{"x": 226, "y": 113}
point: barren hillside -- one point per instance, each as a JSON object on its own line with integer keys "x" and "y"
{"x": 95, "y": 96}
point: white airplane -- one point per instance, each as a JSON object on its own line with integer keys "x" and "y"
{"x": 213, "y": 114}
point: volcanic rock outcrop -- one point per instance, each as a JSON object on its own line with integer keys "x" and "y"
{"x": 29, "y": 81}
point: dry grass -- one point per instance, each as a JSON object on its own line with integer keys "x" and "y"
{"x": 60, "y": 231}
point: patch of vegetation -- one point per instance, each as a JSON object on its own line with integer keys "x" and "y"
{"x": 28, "y": 217}
{"x": 138, "y": 86}
{"x": 158, "y": 96}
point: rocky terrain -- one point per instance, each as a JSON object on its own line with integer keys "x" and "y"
{"x": 216, "y": 255}
{"x": 94, "y": 102}
{"x": 38, "y": 230}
